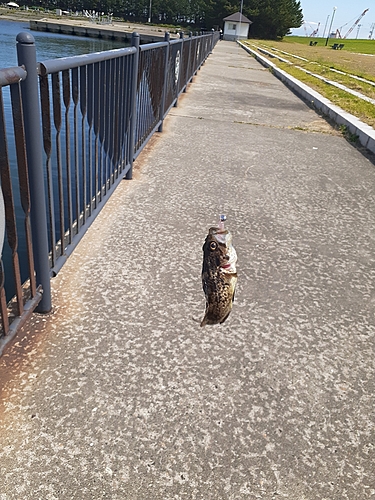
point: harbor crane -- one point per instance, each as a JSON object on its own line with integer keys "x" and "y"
{"x": 354, "y": 25}
{"x": 315, "y": 32}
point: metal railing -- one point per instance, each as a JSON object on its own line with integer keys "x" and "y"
{"x": 77, "y": 124}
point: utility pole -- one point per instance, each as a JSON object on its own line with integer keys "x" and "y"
{"x": 239, "y": 29}
{"x": 325, "y": 26}
{"x": 330, "y": 26}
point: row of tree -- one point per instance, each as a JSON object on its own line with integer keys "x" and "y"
{"x": 271, "y": 18}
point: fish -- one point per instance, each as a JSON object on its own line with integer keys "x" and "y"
{"x": 219, "y": 275}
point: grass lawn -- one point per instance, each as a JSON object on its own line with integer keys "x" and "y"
{"x": 356, "y": 58}
{"x": 351, "y": 45}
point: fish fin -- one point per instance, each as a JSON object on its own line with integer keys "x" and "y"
{"x": 222, "y": 321}
{"x": 198, "y": 320}
{"x": 205, "y": 286}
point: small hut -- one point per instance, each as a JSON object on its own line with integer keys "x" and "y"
{"x": 236, "y": 26}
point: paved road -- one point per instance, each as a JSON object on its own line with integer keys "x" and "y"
{"x": 120, "y": 394}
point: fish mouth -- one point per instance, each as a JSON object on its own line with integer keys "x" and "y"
{"x": 222, "y": 236}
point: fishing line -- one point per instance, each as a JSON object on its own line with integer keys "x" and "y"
{"x": 223, "y": 189}
{"x": 222, "y": 216}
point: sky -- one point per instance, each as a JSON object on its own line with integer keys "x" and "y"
{"x": 348, "y": 11}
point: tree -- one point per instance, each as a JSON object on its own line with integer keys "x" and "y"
{"x": 273, "y": 18}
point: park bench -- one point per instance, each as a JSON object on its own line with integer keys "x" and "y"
{"x": 337, "y": 46}
{"x": 312, "y": 44}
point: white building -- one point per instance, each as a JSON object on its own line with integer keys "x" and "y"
{"x": 236, "y": 26}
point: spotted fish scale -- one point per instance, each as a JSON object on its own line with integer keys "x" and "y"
{"x": 219, "y": 276}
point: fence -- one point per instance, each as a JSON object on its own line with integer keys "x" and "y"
{"x": 77, "y": 124}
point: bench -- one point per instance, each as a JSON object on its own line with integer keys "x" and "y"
{"x": 337, "y": 46}
{"x": 312, "y": 44}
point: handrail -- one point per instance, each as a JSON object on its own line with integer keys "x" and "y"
{"x": 8, "y": 76}
{"x": 65, "y": 63}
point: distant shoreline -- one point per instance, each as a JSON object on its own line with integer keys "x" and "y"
{"x": 27, "y": 16}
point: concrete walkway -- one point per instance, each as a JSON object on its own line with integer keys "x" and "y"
{"x": 120, "y": 394}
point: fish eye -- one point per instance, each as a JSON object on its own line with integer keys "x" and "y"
{"x": 213, "y": 245}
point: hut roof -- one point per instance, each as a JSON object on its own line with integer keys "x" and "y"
{"x": 237, "y": 17}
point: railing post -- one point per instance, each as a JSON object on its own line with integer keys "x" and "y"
{"x": 133, "y": 103}
{"x": 26, "y": 53}
{"x": 165, "y": 83}
{"x": 189, "y": 59}
{"x": 180, "y": 69}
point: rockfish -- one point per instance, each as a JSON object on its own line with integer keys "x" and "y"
{"x": 219, "y": 276}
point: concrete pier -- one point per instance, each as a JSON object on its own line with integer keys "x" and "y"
{"x": 120, "y": 394}
{"x": 106, "y": 31}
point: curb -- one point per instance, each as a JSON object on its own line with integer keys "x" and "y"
{"x": 365, "y": 133}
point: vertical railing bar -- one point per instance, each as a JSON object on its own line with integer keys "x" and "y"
{"x": 75, "y": 97}
{"x": 116, "y": 125}
{"x": 83, "y": 105}
{"x": 102, "y": 125}
{"x": 165, "y": 81}
{"x": 3, "y": 302}
{"x": 23, "y": 176}
{"x": 142, "y": 91}
{"x": 97, "y": 85}
{"x": 141, "y": 103}
{"x": 138, "y": 100}
{"x": 57, "y": 118}
{"x": 121, "y": 85}
{"x": 102, "y": 129}
{"x": 90, "y": 118}
{"x": 188, "y": 62}
{"x": 107, "y": 121}
{"x": 146, "y": 123}
{"x": 46, "y": 127}
{"x": 107, "y": 78}
{"x": 10, "y": 216}
{"x": 135, "y": 59}
{"x": 180, "y": 68}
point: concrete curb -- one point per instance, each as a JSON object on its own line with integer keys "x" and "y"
{"x": 365, "y": 133}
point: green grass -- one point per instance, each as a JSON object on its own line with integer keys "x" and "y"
{"x": 352, "y": 45}
{"x": 320, "y": 60}
{"x": 363, "y": 110}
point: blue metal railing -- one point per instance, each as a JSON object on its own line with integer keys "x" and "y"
{"x": 79, "y": 123}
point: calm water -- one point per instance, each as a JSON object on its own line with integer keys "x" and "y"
{"x": 48, "y": 45}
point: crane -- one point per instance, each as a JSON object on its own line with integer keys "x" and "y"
{"x": 315, "y": 32}
{"x": 355, "y": 24}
